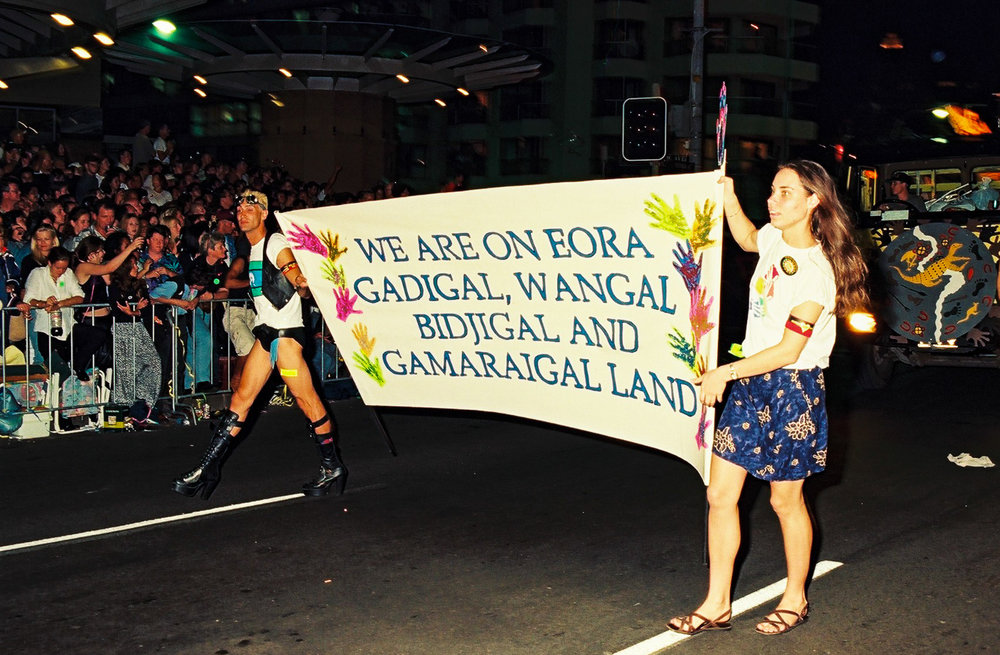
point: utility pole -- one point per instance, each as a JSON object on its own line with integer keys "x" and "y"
{"x": 697, "y": 82}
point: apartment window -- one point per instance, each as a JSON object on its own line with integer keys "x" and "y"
{"x": 470, "y": 109}
{"x": 759, "y": 38}
{"x": 610, "y": 93}
{"x": 760, "y": 98}
{"x": 621, "y": 39}
{"x": 523, "y": 156}
{"x": 535, "y": 37}
{"x": 522, "y": 101}
{"x": 469, "y": 158}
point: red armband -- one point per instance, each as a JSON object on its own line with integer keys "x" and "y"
{"x": 797, "y": 325}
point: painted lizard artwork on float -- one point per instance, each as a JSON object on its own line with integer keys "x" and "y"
{"x": 941, "y": 280}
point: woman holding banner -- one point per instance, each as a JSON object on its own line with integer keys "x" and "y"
{"x": 774, "y": 424}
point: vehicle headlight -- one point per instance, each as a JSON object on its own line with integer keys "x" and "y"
{"x": 863, "y": 322}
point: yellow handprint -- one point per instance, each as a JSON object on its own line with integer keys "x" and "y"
{"x": 360, "y": 333}
{"x": 703, "y": 224}
{"x": 332, "y": 243}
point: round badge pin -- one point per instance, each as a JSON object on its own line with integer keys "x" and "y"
{"x": 789, "y": 265}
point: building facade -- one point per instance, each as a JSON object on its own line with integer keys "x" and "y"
{"x": 567, "y": 126}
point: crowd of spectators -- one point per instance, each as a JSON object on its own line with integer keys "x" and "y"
{"x": 146, "y": 243}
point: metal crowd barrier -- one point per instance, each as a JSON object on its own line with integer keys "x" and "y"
{"x": 38, "y": 381}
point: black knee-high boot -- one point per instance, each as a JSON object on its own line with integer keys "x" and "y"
{"x": 206, "y": 476}
{"x": 331, "y": 468}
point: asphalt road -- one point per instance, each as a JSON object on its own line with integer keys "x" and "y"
{"x": 490, "y": 535}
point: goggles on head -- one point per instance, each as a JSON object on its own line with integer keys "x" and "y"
{"x": 252, "y": 198}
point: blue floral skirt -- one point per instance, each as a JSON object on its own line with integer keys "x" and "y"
{"x": 774, "y": 425}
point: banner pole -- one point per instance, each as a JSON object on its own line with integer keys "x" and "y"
{"x": 377, "y": 419}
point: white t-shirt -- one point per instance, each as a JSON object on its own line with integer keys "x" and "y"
{"x": 785, "y": 278}
{"x": 40, "y": 286}
{"x": 289, "y": 316}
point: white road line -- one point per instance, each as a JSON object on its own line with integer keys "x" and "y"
{"x": 741, "y": 605}
{"x": 144, "y": 524}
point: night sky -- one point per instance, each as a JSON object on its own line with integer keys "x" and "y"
{"x": 948, "y": 56}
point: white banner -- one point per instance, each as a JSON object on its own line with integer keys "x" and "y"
{"x": 592, "y": 305}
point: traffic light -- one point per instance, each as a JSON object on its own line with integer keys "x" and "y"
{"x": 644, "y": 129}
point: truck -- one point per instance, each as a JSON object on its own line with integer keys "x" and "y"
{"x": 933, "y": 270}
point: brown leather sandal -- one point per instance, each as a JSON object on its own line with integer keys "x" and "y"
{"x": 780, "y": 623}
{"x": 685, "y": 624}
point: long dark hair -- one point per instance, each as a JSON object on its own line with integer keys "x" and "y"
{"x": 831, "y": 226}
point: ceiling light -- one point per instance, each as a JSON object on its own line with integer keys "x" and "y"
{"x": 62, "y": 19}
{"x": 200, "y": 80}
{"x": 482, "y": 46}
{"x": 201, "y": 93}
{"x": 441, "y": 102}
{"x": 103, "y": 38}
{"x": 402, "y": 78}
{"x": 940, "y": 112}
{"x": 277, "y": 102}
{"x": 82, "y": 53}
{"x": 164, "y": 26}
{"x": 3, "y": 85}
{"x": 464, "y": 92}
{"x": 285, "y": 72}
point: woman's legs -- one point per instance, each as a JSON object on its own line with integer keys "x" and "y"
{"x": 789, "y": 504}
{"x": 723, "y": 539}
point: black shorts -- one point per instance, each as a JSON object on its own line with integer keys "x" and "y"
{"x": 267, "y": 334}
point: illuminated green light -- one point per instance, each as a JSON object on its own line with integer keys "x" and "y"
{"x": 939, "y": 139}
{"x": 164, "y": 26}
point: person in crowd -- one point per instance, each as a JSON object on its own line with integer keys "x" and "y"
{"x": 239, "y": 317}
{"x": 10, "y": 275}
{"x": 142, "y": 146}
{"x": 77, "y": 226}
{"x": 43, "y": 240}
{"x": 94, "y": 275}
{"x": 774, "y": 424}
{"x": 124, "y": 162}
{"x": 158, "y": 194}
{"x": 162, "y": 269}
{"x": 11, "y": 198}
{"x": 205, "y": 278}
{"x": 59, "y": 211}
{"x": 130, "y": 225}
{"x": 138, "y": 370}
{"x": 19, "y": 242}
{"x": 49, "y": 295}
{"x": 160, "y": 144}
{"x": 88, "y": 183}
{"x": 275, "y": 285}
{"x": 225, "y": 208}
{"x": 102, "y": 223}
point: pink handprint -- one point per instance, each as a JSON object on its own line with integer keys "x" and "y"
{"x": 345, "y": 303}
